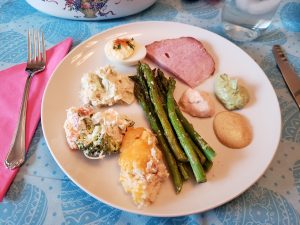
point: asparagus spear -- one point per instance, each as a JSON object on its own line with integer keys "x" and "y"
{"x": 207, "y": 165}
{"x": 162, "y": 82}
{"x": 157, "y": 129}
{"x": 183, "y": 170}
{"x": 183, "y": 137}
{"x": 161, "y": 93}
{"x": 200, "y": 142}
{"x": 159, "y": 79}
{"x": 155, "y": 98}
{"x": 198, "y": 152}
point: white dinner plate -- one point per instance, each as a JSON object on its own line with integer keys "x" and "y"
{"x": 233, "y": 171}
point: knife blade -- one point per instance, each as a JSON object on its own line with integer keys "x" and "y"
{"x": 290, "y": 77}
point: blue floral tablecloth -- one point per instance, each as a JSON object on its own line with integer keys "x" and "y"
{"x": 41, "y": 192}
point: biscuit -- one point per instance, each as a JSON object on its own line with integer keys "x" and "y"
{"x": 232, "y": 129}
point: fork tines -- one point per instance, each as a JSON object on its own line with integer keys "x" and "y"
{"x": 36, "y": 47}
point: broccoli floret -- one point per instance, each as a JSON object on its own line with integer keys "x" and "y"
{"x": 104, "y": 145}
{"x": 104, "y": 137}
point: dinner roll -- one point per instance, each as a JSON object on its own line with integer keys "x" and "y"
{"x": 232, "y": 129}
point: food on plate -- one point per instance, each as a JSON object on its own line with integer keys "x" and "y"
{"x": 230, "y": 93}
{"x": 154, "y": 92}
{"x": 163, "y": 84}
{"x": 145, "y": 102}
{"x": 232, "y": 129}
{"x": 184, "y": 57}
{"x": 142, "y": 167}
{"x": 96, "y": 134}
{"x": 183, "y": 137}
{"x": 121, "y": 48}
{"x": 125, "y": 51}
{"x": 106, "y": 87}
{"x": 197, "y": 103}
{"x": 156, "y": 99}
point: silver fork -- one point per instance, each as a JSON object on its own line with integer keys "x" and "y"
{"x": 36, "y": 62}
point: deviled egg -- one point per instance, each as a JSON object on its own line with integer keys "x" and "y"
{"x": 124, "y": 51}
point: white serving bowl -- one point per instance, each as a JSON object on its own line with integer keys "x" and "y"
{"x": 90, "y": 9}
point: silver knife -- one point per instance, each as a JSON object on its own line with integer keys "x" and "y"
{"x": 291, "y": 78}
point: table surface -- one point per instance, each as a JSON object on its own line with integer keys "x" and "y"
{"x": 43, "y": 194}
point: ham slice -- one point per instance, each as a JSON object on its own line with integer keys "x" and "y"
{"x": 185, "y": 57}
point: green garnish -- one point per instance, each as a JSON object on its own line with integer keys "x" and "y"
{"x": 118, "y": 43}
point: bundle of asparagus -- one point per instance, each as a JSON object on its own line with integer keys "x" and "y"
{"x": 181, "y": 145}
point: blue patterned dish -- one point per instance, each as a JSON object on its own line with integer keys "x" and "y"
{"x": 90, "y": 9}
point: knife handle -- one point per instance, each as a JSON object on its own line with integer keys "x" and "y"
{"x": 290, "y": 77}
{"x": 280, "y": 53}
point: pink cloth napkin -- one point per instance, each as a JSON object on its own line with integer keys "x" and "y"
{"x": 12, "y": 83}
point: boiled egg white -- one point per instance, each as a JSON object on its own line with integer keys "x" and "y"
{"x": 124, "y": 51}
